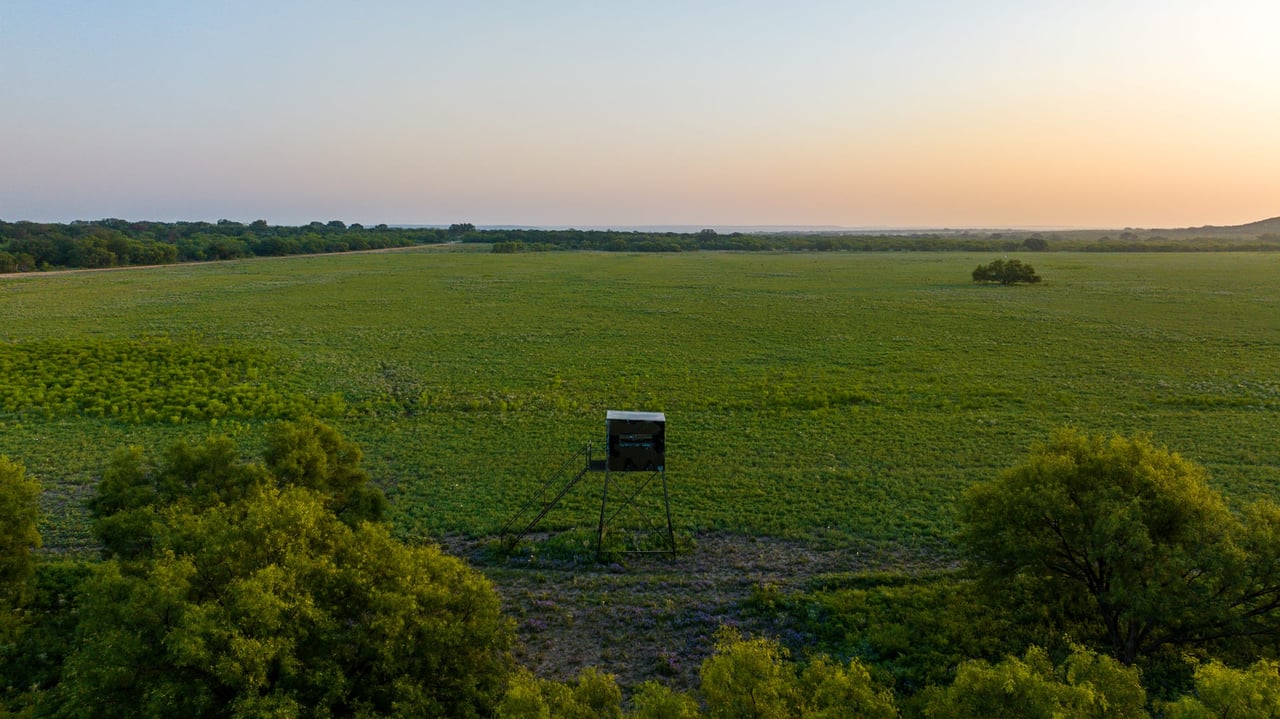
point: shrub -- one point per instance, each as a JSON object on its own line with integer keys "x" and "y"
{"x": 1006, "y": 272}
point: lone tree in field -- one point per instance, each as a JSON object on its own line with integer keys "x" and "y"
{"x": 1133, "y": 534}
{"x": 1006, "y": 272}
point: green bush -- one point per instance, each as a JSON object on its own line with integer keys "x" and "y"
{"x": 1085, "y": 686}
{"x": 1225, "y": 693}
{"x": 1006, "y": 272}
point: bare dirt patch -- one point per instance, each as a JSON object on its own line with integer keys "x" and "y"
{"x": 655, "y": 616}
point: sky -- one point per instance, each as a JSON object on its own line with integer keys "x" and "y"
{"x": 588, "y": 113}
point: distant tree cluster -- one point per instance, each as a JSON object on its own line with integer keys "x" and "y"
{"x": 506, "y": 241}
{"x": 1006, "y": 272}
{"x": 30, "y": 246}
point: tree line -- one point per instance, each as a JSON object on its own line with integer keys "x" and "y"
{"x": 1106, "y": 579}
{"x": 31, "y": 246}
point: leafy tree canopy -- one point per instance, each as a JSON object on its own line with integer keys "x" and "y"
{"x": 246, "y": 589}
{"x": 18, "y": 535}
{"x": 1225, "y": 693}
{"x": 1086, "y": 686}
{"x": 1137, "y": 535}
{"x": 307, "y": 453}
{"x": 272, "y": 606}
{"x": 595, "y": 695}
{"x": 751, "y": 677}
{"x": 745, "y": 678}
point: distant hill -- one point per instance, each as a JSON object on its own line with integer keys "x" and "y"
{"x": 1261, "y": 227}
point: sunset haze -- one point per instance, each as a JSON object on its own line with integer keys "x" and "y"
{"x": 854, "y": 114}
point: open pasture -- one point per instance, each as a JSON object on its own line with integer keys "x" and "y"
{"x": 842, "y": 398}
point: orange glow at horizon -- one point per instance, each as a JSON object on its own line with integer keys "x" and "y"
{"x": 1151, "y": 114}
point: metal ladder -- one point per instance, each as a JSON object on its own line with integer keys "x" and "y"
{"x": 511, "y": 538}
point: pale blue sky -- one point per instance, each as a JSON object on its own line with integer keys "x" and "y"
{"x": 923, "y": 113}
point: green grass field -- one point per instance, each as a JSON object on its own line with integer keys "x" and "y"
{"x": 847, "y": 398}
